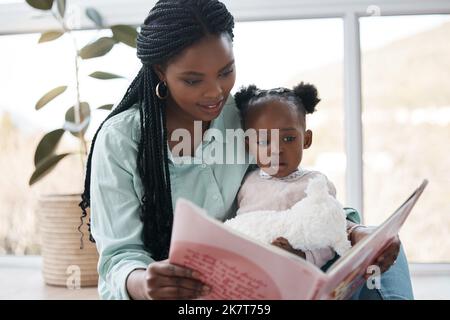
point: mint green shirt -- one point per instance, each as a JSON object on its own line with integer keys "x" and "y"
{"x": 116, "y": 191}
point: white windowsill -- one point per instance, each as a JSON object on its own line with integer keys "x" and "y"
{"x": 21, "y": 278}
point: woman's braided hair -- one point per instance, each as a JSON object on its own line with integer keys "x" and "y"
{"x": 171, "y": 27}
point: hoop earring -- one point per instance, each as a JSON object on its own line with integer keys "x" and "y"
{"x": 159, "y": 95}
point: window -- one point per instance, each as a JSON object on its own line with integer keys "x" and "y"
{"x": 284, "y": 53}
{"x": 299, "y": 50}
{"x": 406, "y": 107}
{"x": 406, "y": 126}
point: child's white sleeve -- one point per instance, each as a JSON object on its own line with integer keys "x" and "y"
{"x": 240, "y": 196}
{"x": 320, "y": 257}
{"x": 243, "y": 193}
{"x": 331, "y": 187}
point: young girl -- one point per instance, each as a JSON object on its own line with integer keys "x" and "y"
{"x": 280, "y": 182}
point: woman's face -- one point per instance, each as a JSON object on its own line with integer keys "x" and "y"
{"x": 200, "y": 78}
{"x": 277, "y": 157}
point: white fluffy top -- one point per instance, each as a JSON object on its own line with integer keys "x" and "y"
{"x": 315, "y": 221}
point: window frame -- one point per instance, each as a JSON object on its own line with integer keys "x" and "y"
{"x": 16, "y": 17}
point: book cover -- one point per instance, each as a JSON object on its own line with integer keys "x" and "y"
{"x": 237, "y": 267}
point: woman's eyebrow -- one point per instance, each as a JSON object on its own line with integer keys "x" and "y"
{"x": 194, "y": 73}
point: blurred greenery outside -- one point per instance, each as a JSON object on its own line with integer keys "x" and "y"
{"x": 406, "y": 126}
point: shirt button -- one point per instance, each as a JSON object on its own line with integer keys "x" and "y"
{"x": 216, "y": 197}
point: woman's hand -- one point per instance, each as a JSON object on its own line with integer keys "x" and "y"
{"x": 387, "y": 258}
{"x": 284, "y": 244}
{"x": 163, "y": 280}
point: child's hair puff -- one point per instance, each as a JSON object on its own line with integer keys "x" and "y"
{"x": 244, "y": 95}
{"x": 307, "y": 93}
{"x": 304, "y": 95}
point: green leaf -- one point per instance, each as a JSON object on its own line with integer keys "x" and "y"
{"x": 85, "y": 116}
{"x": 45, "y": 167}
{"x": 104, "y": 75}
{"x": 50, "y": 35}
{"x": 61, "y": 4}
{"x": 98, "y": 48}
{"x": 95, "y": 16}
{"x": 125, "y": 34}
{"x": 49, "y": 96}
{"x": 47, "y": 145}
{"x": 105, "y": 107}
{"x": 41, "y": 4}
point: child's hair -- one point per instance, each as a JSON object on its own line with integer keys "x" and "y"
{"x": 304, "y": 96}
{"x": 170, "y": 27}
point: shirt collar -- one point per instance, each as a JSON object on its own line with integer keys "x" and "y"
{"x": 297, "y": 174}
{"x": 217, "y": 126}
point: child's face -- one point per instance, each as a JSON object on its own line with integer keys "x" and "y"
{"x": 285, "y": 153}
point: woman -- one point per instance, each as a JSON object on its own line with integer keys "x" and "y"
{"x": 132, "y": 178}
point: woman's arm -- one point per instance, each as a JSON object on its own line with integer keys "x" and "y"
{"x": 125, "y": 268}
{"x": 162, "y": 280}
{"x": 115, "y": 223}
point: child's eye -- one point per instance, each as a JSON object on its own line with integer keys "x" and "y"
{"x": 192, "y": 82}
{"x": 288, "y": 139}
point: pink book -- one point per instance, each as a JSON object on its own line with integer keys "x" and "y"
{"x": 237, "y": 267}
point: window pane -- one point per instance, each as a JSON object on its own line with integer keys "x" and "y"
{"x": 269, "y": 54}
{"x": 406, "y": 119}
{"x": 284, "y": 53}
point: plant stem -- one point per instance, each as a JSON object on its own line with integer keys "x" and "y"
{"x": 77, "y": 108}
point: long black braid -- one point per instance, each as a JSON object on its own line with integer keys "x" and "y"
{"x": 171, "y": 26}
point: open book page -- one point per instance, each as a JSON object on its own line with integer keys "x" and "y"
{"x": 235, "y": 266}
{"x": 347, "y": 274}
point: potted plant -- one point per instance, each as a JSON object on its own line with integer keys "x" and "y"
{"x": 68, "y": 260}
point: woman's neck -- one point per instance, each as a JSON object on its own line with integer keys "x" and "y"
{"x": 177, "y": 118}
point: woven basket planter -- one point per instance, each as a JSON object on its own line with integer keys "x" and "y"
{"x": 64, "y": 263}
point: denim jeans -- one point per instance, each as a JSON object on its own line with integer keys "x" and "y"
{"x": 395, "y": 283}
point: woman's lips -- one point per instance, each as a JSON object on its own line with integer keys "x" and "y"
{"x": 211, "y": 108}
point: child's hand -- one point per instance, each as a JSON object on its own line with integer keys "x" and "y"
{"x": 387, "y": 258}
{"x": 284, "y": 244}
{"x": 167, "y": 281}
